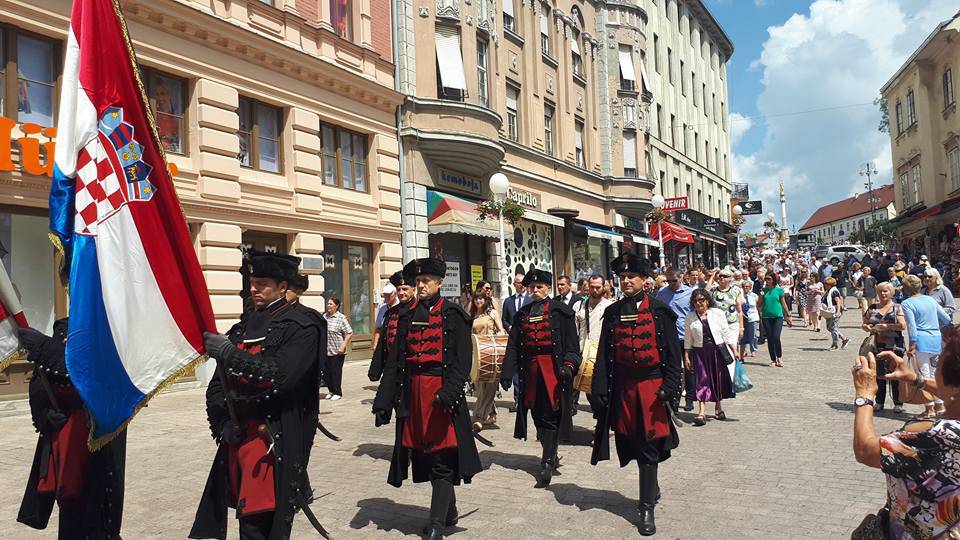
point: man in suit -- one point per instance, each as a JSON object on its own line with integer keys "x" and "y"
{"x": 514, "y": 302}
{"x": 565, "y": 292}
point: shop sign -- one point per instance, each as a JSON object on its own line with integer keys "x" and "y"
{"x": 752, "y": 208}
{"x": 459, "y": 182}
{"x": 31, "y": 156}
{"x": 450, "y": 288}
{"x": 712, "y": 225}
{"x": 688, "y": 219}
{"x": 674, "y": 204}
{"x": 524, "y": 198}
{"x": 476, "y": 275}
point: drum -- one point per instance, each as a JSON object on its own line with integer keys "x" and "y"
{"x": 488, "y": 352}
{"x": 584, "y": 379}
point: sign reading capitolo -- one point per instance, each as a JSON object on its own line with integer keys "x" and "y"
{"x": 524, "y": 198}
{"x": 459, "y": 182}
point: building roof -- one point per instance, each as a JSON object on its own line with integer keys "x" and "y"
{"x": 940, "y": 28}
{"x": 847, "y": 208}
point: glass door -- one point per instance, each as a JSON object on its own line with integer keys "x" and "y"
{"x": 347, "y": 276}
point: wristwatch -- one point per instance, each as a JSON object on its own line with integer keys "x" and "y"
{"x": 861, "y": 401}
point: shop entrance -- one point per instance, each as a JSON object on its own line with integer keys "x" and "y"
{"x": 465, "y": 255}
{"x": 347, "y": 275}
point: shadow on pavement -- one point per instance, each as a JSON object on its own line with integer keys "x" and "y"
{"x": 601, "y": 499}
{"x": 529, "y": 464}
{"x": 375, "y": 450}
{"x": 814, "y": 349}
{"x": 841, "y": 406}
{"x": 388, "y": 515}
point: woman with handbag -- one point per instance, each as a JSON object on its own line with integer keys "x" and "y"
{"x": 814, "y": 291}
{"x": 709, "y": 346}
{"x": 486, "y": 322}
{"x": 832, "y": 310}
{"x": 886, "y": 322}
{"x": 773, "y": 311}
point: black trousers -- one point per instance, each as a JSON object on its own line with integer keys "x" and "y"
{"x": 689, "y": 378}
{"x": 882, "y": 391}
{"x": 430, "y": 466}
{"x": 256, "y": 527}
{"x": 544, "y": 415}
{"x": 334, "y": 374}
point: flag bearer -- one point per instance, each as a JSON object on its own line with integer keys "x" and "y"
{"x": 270, "y": 363}
{"x": 423, "y": 379}
{"x": 545, "y": 350}
{"x": 636, "y": 376}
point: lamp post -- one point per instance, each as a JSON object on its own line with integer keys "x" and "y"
{"x": 737, "y": 219}
{"x": 499, "y": 185}
{"x": 658, "y": 202}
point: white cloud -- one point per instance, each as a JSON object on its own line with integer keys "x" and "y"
{"x": 837, "y": 56}
{"x": 739, "y": 126}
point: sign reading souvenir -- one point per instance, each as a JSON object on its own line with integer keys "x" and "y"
{"x": 459, "y": 182}
{"x": 752, "y": 208}
{"x": 451, "y": 281}
{"x": 524, "y": 198}
{"x": 675, "y": 203}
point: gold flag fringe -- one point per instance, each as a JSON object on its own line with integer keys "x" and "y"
{"x": 19, "y": 354}
{"x": 95, "y": 444}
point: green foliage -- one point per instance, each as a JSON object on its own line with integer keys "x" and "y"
{"x": 512, "y": 212}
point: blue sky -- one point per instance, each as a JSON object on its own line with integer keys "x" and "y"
{"x": 801, "y": 82}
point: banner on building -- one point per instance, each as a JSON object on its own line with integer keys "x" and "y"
{"x": 752, "y": 208}
{"x": 674, "y": 204}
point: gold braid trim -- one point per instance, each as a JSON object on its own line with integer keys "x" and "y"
{"x": 95, "y": 444}
{"x": 15, "y": 356}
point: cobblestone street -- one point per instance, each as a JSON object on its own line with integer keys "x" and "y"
{"x": 782, "y": 466}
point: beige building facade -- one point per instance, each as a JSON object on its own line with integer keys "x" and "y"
{"x": 924, "y": 127}
{"x": 279, "y": 118}
{"x": 551, "y": 94}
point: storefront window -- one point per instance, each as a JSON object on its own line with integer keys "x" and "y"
{"x": 530, "y": 247}
{"x": 167, "y": 99}
{"x": 588, "y": 257}
{"x": 36, "y": 69}
{"x": 29, "y": 259}
{"x": 346, "y": 276}
{"x": 464, "y": 255}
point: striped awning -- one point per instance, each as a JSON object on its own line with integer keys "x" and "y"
{"x": 449, "y": 214}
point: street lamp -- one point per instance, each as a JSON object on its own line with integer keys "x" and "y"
{"x": 499, "y": 185}
{"x": 772, "y": 225}
{"x": 658, "y": 202}
{"x": 738, "y": 213}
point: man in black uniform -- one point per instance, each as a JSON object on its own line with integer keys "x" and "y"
{"x": 270, "y": 363}
{"x": 88, "y": 486}
{"x": 636, "y": 376}
{"x": 423, "y": 379}
{"x": 406, "y": 296}
{"x": 545, "y": 351}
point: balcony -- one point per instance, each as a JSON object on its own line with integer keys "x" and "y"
{"x": 630, "y": 195}
{"x": 460, "y": 136}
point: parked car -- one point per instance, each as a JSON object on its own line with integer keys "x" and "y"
{"x": 836, "y": 254}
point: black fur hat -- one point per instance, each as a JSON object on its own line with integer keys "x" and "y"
{"x": 272, "y": 265}
{"x": 299, "y": 281}
{"x": 628, "y": 262}
{"x": 419, "y": 267}
{"x": 533, "y": 275}
{"x": 397, "y": 279}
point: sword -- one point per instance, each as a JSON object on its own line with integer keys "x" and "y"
{"x": 673, "y": 416}
{"x": 327, "y": 432}
{"x": 485, "y": 441}
{"x": 302, "y": 503}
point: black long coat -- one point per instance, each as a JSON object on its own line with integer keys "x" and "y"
{"x": 604, "y": 372}
{"x": 289, "y": 360}
{"x": 100, "y": 513}
{"x": 566, "y": 348}
{"x": 393, "y": 391}
{"x": 380, "y": 352}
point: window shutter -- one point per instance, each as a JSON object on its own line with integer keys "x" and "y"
{"x": 508, "y": 7}
{"x": 626, "y": 63}
{"x": 449, "y": 58}
{"x": 574, "y": 46}
{"x": 512, "y": 98}
{"x": 544, "y": 22}
{"x": 629, "y": 150}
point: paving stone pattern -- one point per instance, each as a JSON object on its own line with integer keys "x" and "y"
{"x": 780, "y": 467}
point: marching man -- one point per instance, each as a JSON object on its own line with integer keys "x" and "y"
{"x": 423, "y": 379}
{"x": 545, "y": 350}
{"x": 636, "y": 375}
{"x": 264, "y": 416}
{"x": 406, "y": 296}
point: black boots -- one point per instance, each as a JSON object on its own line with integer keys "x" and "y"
{"x": 443, "y": 509}
{"x": 549, "y": 461}
{"x": 649, "y": 495}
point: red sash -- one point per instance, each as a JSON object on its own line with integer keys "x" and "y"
{"x": 69, "y": 461}
{"x": 537, "y": 341}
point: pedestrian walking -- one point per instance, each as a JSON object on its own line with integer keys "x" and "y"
{"x": 868, "y": 285}
{"x": 800, "y": 293}
{"x": 934, "y": 288}
{"x": 544, "y": 352}
{"x": 751, "y": 319}
{"x": 709, "y": 344}
{"x": 637, "y": 376}
{"x": 423, "y": 381}
{"x": 885, "y": 322}
{"x": 814, "y": 302}
{"x": 924, "y": 317}
{"x": 772, "y": 313}
{"x": 388, "y": 297}
{"x": 676, "y": 295}
{"x": 339, "y": 334}
{"x": 894, "y": 280}
{"x": 785, "y": 281}
{"x": 729, "y": 299}
{"x": 833, "y": 311}
{"x": 589, "y": 316}
{"x": 486, "y": 322}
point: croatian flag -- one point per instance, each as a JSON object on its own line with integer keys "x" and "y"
{"x": 138, "y": 301}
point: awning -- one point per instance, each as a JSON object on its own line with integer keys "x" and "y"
{"x": 626, "y": 63}
{"x": 671, "y": 231}
{"x": 603, "y": 234}
{"x": 449, "y": 214}
{"x": 644, "y": 79}
{"x": 645, "y": 241}
{"x": 449, "y": 59}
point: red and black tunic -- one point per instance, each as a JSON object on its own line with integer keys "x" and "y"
{"x": 536, "y": 339}
{"x": 391, "y": 322}
{"x": 67, "y": 467}
{"x": 637, "y": 360}
{"x": 429, "y": 427}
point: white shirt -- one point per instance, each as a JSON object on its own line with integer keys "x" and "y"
{"x": 717, "y": 319}
{"x": 596, "y": 319}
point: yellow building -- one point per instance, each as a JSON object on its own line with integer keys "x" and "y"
{"x": 280, "y": 117}
{"x": 925, "y": 139}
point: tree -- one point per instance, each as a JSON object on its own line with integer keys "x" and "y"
{"x": 884, "y": 126}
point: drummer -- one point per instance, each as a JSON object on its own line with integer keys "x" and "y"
{"x": 589, "y": 313}
{"x": 486, "y": 323}
{"x": 544, "y": 351}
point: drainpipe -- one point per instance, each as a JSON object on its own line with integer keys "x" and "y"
{"x": 404, "y": 225}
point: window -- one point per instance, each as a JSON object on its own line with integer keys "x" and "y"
{"x": 513, "y": 113}
{"x": 660, "y": 122}
{"x": 545, "y": 29}
{"x": 703, "y": 98}
{"x": 451, "y": 83}
{"x": 344, "y": 155}
{"x": 683, "y": 79}
{"x": 656, "y": 53}
{"x": 347, "y": 275}
{"x": 576, "y": 60}
{"x": 628, "y": 78}
{"x": 629, "y": 113}
{"x": 548, "y": 128}
{"x": 670, "y": 65}
{"x": 693, "y": 84}
{"x": 953, "y": 168}
{"x": 917, "y": 188}
{"x": 340, "y": 18}
{"x": 696, "y": 147}
{"x": 259, "y": 136}
{"x": 509, "y": 23}
{"x": 483, "y": 92}
{"x": 168, "y": 97}
{"x": 673, "y": 129}
{"x": 578, "y": 140}
{"x": 905, "y": 190}
{"x": 35, "y": 63}
{"x": 630, "y": 154}
{"x": 911, "y": 109}
{"x": 899, "y": 117}
{"x": 947, "y": 88}
{"x": 676, "y": 187}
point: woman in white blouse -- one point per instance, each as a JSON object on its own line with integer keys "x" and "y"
{"x": 706, "y": 331}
